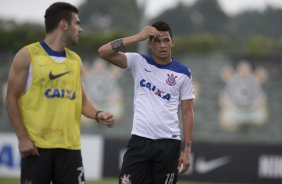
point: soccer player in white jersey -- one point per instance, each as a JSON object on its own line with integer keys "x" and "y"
{"x": 161, "y": 83}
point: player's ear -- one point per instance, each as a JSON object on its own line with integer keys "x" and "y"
{"x": 63, "y": 24}
{"x": 172, "y": 42}
{"x": 149, "y": 43}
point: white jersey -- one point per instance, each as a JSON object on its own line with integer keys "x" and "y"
{"x": 158, "y": 90}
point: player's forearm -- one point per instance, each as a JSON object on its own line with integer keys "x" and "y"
{"x": 188, "y": 126}
{"x": 88, "y": 108}
{"x": 131, "y": 40}
{"x": 111, "y": 51}
{"x": 117, "y": 45}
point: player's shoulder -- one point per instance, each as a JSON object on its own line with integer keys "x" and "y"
{"x": 26, "y": 50}
{"x": 149, "y": 59}
{"x": 34, "y": 48}
{"x": 22, "y": 57}
{"x": 135, "y": 58}
{"x": 72, "y": 54}
{"x": 133, "y": 54}
{"x": 179, "y": 67}
{"x": 175, "y": 65}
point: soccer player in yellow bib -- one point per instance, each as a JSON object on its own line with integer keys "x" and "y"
{"x": 45, "y": 100}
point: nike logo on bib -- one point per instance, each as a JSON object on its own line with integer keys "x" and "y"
{"x": 52, "y": 76}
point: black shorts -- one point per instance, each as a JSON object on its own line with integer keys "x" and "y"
{"x": 57, "y": 165}
{"x": 148, "y": 161}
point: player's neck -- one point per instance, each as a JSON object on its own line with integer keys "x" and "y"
{"x": 162, "y": 61}
{"x": 54, "y": 41}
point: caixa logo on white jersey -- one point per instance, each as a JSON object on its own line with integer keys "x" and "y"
{"x": 154, "y": 89}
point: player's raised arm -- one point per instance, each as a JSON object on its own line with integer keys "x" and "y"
{"x": 112, "y": 50}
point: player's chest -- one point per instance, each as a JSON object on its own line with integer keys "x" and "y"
{"x": 163, "y": 83}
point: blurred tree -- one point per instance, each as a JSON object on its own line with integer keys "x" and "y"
{"x": 13, "y": 38}
{"x": 199, "y": 28}
{"x": 179, "y": 19}
{"x": 110, "y": 15}
{"x": 266, "y": 23}
{"x": 209, "y": 17}
{"x": 202, "y": 17}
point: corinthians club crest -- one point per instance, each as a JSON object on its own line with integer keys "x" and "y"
{"x": 125, "y": 179}
{"x": 243, "y": 102}
{"x": 171, "y": 79}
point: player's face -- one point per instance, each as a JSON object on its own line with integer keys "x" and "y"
{"x": 161, "y": 46}
{"x": 73, "y": 33}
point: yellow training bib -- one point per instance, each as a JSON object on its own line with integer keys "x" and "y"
{"x": 51, "y": 107}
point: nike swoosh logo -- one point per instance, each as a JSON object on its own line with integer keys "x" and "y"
{"x": 52, "y": 76}
{"x": 147, "y": 70}
{"x": 202, "y": 166}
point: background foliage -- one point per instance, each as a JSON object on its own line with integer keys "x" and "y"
{"x": 202, "y": 27}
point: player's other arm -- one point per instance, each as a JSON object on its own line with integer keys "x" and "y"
{"x": 188, "y": 125}
{"x": 90, "y": 111}
{"x": 112, "y": 50}
{"x": 16, "y": 85}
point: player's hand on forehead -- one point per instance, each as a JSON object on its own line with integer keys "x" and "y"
{"x": 156, "y": 33}
{"x": 149, "y": 31}
{"x": 162, "y": 35}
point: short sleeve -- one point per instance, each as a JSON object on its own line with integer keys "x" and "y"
{"x": 187, "y": 91}
{"x": 131, "y": 58}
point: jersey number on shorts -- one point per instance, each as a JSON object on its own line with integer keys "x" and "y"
{"x": 80, "y": 176}
{"x": 169, "y": 178}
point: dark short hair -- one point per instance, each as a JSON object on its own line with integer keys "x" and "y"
{"x": 162, "y": 26}
{"x": 56, "y": 12}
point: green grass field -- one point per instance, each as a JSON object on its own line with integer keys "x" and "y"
{"x": 104, "y": 181}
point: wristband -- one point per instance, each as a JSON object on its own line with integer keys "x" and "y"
{"x": 96, "y": 116}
